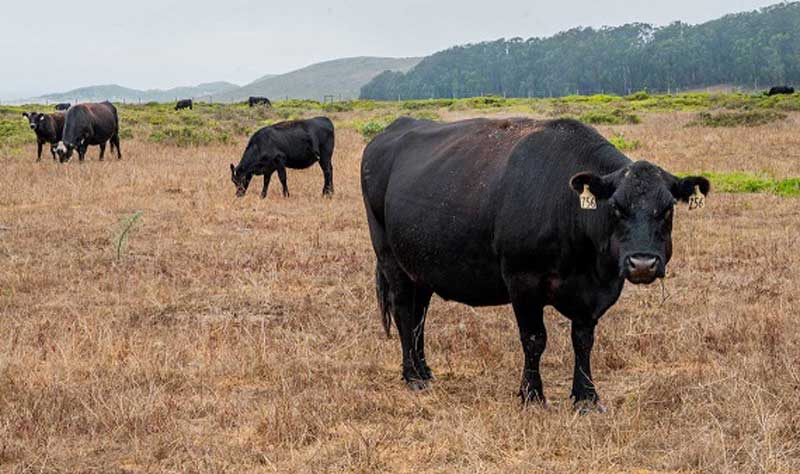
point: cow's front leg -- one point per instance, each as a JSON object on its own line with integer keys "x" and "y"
{"x": 39, "y": 151}
{"x": 267, "y": 177}
{"x": 584, "y": 394}
{"x": 533, "y": 336}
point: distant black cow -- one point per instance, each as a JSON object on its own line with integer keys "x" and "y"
{"x": 48, "y": 128}
{"x": 780, "y": 90}
{"x": 295, "y": 144}
{"x": 490, "y": 212}
{"x": 253, "y": 101}
{"x": 89, "y": 124}
{"x": 184, "y": 104}
{"x": 63, "y": 106}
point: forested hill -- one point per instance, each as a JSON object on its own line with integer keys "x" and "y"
{"x": 753, "y": 49}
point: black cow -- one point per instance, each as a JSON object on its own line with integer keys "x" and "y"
{"x": 184, "y": 104}
{"x": 90, "y": 124}
{"x": 64, "y": 106}
{"x": 296, "y": 144}
{"x": 488, "y": 212}
{"x": 253, "y": 101}
{"x": 780, "y": 90}
{"x": 48, "y": 128}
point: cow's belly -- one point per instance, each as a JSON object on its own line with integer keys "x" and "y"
{"x": 447, "y": 252}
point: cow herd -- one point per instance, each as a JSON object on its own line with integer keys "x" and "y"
{"x": 82, "y": 125}
{"x": 482, "y": 211}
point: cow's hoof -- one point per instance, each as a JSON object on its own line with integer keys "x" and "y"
{"x": 263, "y": 195}
{"x": 532, "y": 399}
{"x": 587, "y": 407}
{"x": 418, "y": 385}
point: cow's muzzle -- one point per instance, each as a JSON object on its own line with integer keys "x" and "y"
{"x": 643, "y": 269}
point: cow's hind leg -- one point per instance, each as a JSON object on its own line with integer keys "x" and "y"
{"x": 102, "y": 151}
{"x": 408, "y": 304}
{"x": 115, "y": 144}
{"x": 282, "y": 178}
{"x": 326, "y": 163}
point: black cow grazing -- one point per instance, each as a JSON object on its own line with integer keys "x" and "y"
{"x": 296, "y": 144}
{"x": 184, "y": 104}
{"x": 64, "y": 106}
{"x": 489, "y": 212}
{"x": 253, "y": 101}
{"x": 780, "y": 90}
{"x": 48, "y": 128}
{"x": 90, "y": 124}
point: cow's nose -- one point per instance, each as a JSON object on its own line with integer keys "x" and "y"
{"x": 33, "y": 127}
{"x": 642, "y": 268}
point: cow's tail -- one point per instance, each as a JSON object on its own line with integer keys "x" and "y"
{"x": 384, "y": 299}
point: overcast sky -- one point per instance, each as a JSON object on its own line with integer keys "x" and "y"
{"x": 57, "y": 45}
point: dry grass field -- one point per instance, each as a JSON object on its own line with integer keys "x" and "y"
{"x": 243, "y": 335}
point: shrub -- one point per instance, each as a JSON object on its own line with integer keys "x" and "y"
{"x": 180, "y": 135}
{"x": 616, "y": 117}
{"x": 372, "y": 128}
{"x": 641, "y": 95}
{"x": 750, "y": 118}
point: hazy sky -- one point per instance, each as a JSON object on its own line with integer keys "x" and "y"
{"x": 57, "y": 45}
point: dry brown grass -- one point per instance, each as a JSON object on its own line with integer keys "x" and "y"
{"x": 243, "y": 336}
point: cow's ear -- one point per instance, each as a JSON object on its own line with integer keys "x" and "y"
{"x": 601, "y": 186}
{"x": 233, "y": 170}
{"x": 684, "y": 189}
{"x": 25, "y": 114}
{"x": 692, "y": 189}
{"x": 591, "y": 187}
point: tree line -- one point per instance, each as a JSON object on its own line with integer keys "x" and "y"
{"x": 752, "y": 50}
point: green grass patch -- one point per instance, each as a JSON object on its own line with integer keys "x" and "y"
{"x": 748, "y": 118}
{"x": 739, "y": 182}
{"x": 624, "y": 144}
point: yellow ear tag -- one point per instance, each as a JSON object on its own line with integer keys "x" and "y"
{"x": 697, "y": 200}
{"x": 588, "y": 201}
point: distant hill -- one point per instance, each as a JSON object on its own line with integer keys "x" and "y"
{"x": 340, "y": 77}
{"x": 754, "y": 49}
{"x": 117, "y": 93}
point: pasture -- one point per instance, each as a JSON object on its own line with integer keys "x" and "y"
{"x": 151, "y": 322}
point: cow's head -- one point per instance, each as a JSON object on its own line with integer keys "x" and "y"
{"x": 64, "y": 151}
{"x": 639, "y": 200}
{"x": 35, "y": 120}
{"x": 241, "y": 180}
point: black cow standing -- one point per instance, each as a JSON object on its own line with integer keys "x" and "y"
{"x": 64, "y": 106}
{"x": 253, "y": 101}
{"x": 780, "y": 90}
{"x": 48, "y": 129}
{"x": 184, "y": 104}
{"x": 489, "y": 212}
{"x": 295, "y": 144}
{"x": 89, "y": 124}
